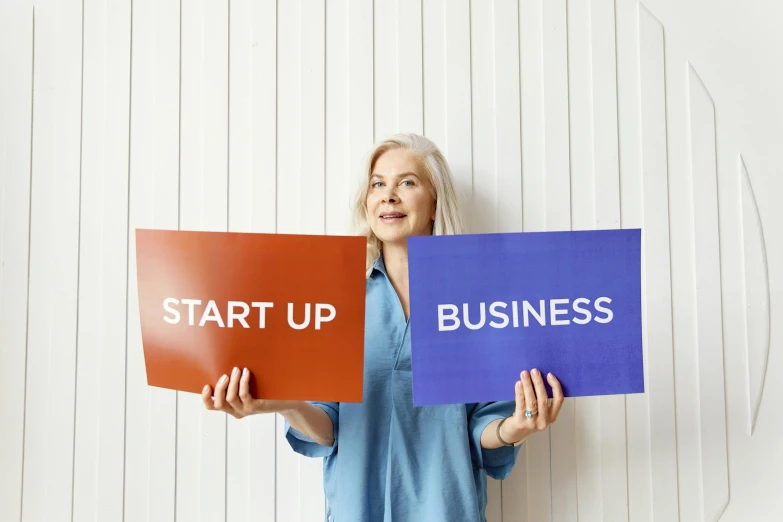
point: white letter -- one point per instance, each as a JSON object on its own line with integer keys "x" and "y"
{"x": 319, "y": 318}
{"x": 500, "y": 315}
{"x": 262, "y": 312}
{"x": 291, "y": 317}
{"x": 453, "y": 317}
{"x": 190, "y": 303}
{"x": 482, "y": 314}
{"x": 515, "y": 308}
{"x": 554, "y": 312}
{"x": 175, "y": 313}
{"x": 211, "y": 307}
{"x": 527, "y": 308}
{"x": 240, "y": 318}
{"x": 609, "y": 314}
{"x": 583, "y": 311}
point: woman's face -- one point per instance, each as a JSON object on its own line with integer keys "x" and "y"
{"x": 399, "y": 201}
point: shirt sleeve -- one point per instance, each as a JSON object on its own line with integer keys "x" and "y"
{"x": 497, "y": 462}
{"x": 306, "y": 446}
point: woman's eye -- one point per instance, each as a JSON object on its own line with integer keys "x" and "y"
{"x": 409, "y": 182}
{"x": 376, "y": 184}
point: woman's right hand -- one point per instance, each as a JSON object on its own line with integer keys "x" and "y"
{"x": 232, "y": 395}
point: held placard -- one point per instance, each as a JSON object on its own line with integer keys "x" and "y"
{"x": 288, "y": 307}
{"x": 484, "y": 307}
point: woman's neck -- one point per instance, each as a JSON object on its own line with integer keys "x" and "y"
{"x": 395, "y": 259}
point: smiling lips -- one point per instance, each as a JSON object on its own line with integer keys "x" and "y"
{"x": 391, "y": 217}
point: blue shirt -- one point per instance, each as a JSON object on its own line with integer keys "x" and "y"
{"x": 391, "y": 461}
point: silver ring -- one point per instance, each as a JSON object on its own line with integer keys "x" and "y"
{"x": 529, "y": 413}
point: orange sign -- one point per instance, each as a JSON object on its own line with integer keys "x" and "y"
{"x": 290, "y": 308}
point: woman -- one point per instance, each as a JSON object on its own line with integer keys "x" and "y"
{"x": 386, "y": 460}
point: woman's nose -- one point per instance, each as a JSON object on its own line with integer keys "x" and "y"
{"x": 389, "y": 196}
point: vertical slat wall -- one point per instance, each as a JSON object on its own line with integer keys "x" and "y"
{"x": 257, "y": 116}
{"x": 103, "y": 263}
{"x": 48, "y": 449}
{"x": 657, "y": 269}
{"x": 151, "y": 451}
{"x": 17, "y": 36}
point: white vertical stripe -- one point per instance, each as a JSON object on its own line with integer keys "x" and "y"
{"x": 54, "y": 258}
{"x": 410, "y": 112}
{"x": 605, "y": 113}
{"x": 683, "y": 287}
{"x": 508, "y": 153}
{"x": 447, "y": 90}
{"x": 515, "y": 491}
{"x": 706, "y": 248}
{"x": 16, "y": 107}
{"x": 483, "y": 118}
{"x": 151, "y": 413}
{"x": 580, "y": 114}
{"x": 361, "y": 43}
{"x": 253, "y": 116}
{"x": 313, "y": 116}
{"x": 386, "y": 68}
{"x": 435, "y": 69}
{"x": 657, "y": 275}
{"x": 339, "y": 180}
{"x": 531, "y": 56}
{"x": 458, "y": 143}
{"x": 100, "y": 388}
{"x": 556, "y": 142}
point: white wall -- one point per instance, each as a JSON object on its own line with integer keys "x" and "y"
{"x": 554, "y": 114}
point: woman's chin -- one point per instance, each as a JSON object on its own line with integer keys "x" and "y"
{"x": 399, "y": 238}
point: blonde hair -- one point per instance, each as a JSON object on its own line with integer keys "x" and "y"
{"x": 447, "y": 214}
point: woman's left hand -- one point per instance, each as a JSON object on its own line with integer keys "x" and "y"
{"x": 535, "y": 411}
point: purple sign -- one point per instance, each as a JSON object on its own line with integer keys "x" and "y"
{"x": 484, "y": 307}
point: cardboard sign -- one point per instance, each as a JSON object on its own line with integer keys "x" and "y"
{"x": 290, "y": 308}
{"x": 485, "y": 307}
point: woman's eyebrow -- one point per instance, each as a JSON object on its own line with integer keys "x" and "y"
{"x": 402, "y": 175}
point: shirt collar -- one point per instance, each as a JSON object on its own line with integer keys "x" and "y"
{"x": 379, "y": 264}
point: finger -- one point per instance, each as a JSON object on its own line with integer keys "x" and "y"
{"x": 519, "y": 397}
{"x": 220, "y": 394}
{"x": 244, "y": 388}
{"x": 232, "y": 392}
{"x": 206, "y": 397}
{"x": 538, "y": 384}
{"x": 542, "y": 396}
{"x": 557, "y": 397}
{"x": 530, "y": 395}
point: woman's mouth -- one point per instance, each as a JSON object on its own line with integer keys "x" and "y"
{"x": 391, "y": 217}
